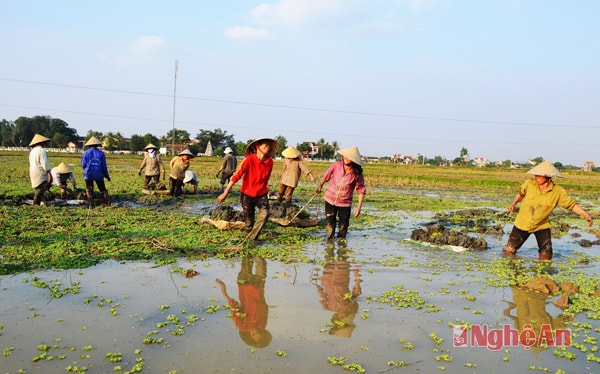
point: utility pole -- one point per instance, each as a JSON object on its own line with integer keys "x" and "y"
{"x": 174, "y": 101}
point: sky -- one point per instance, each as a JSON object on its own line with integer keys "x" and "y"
{"x": 504, "y": 79}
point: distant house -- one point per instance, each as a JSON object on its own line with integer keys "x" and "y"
{"x": 314, "y": 149}
{"x": 402, "y": 158}
{"x": 588, "y": 165}
{"x": 166, "y": 149}
{"x": 481, "y": 161}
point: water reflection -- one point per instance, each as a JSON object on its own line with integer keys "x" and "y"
{"x": 250, "y": 313}
{"x": 530, "y": 309}
{"x": 334, "y": 290}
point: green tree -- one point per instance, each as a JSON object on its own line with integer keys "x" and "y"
{"x": 110, "y": 142}
{"x": 218, "y": 139}
{"x": 7, "y": 133}
{"x": 282, "y": 142}
{"x": 26, "y": 128}
{"x": 240, "y": 148}
{"x": 177, "y": 136}
{"x": 304, "y": 147}
{"x": 98, "y": 135}
{"x": 121, "y": 141}
{"x": 137, "y": 143}
{"x": 537, "y": 160}
{"x": 149, "y": 138}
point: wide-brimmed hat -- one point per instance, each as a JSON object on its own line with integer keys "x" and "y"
{"x": 189, "y": 176}
{"x": 251, "y": 148}
{"x": 291, "y": 152}
{"x": 353, "y": 154}
{"x": 63, "y": 168}
{"x": 150, "y": 146}
{"x": 228, "y": 150}
{"x": 186, "y": 152}
{"x": 546, "y": 169}
{"x": 93, "y": 141}
{"x": 38, "y": 139}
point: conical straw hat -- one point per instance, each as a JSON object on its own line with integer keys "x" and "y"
{"x": 251, "y": 148}
{"x": 353, "y": 154}
{"x": 37, "y": 139}
{"x": 92, "y": 141}
{"x": 291, "y": 152}
{"x": 63, "y": 168}
{"x": 546, "y": 169}
{"x": 186, "y": 152}
{"x": 150, "y": 146}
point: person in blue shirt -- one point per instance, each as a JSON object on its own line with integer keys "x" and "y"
{"x": 95, "y": 169}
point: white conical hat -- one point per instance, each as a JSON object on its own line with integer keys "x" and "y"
{"x": 291, "y": 152}
{"x": 546, "y": 169}
{"x": 92, "y": 141}
{"x": 150, "y": 146}
{"x": 353, "y": 154}
{"x": 37, "y": 139}
{"x": 63, "y": 168}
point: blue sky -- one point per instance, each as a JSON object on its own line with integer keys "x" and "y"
{"x": 505, "y": 79}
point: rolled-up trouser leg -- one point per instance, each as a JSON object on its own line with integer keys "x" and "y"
{"x": 515, "y": 241}
{"x": 544, "y": 242}
{"x": 344, "y": 216}
{"x": 38, "y": 195}
{"x": 248, "y": 205}
{"x": 106, "y": 198}
{"x": 261, "y": 219}
{"x": 89, "y": 192}
{"x": 330, "y": 220}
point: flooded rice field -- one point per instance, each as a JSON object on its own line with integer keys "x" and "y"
{"x": 376, "y": 303}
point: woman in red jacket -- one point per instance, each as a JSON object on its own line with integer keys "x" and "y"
{"x": 255, "y": 172}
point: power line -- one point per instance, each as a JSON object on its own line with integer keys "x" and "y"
{"x": 304, "y": 108}
{"x": 320, "y": 133}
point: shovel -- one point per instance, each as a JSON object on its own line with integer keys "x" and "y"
{"x": 285, "y": 224}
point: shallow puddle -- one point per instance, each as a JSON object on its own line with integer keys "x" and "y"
{"x": 378, "y": 304}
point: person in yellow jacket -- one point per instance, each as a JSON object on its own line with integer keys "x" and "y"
{"x": 539, "y": 197}
{"x": 179, "y": 165}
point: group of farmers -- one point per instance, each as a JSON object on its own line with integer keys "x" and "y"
{"x": 538, "y": 195}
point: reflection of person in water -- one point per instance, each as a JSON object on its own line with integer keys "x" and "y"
{"x": 531, "y": 310}
{"x": 250, "y": 314}
{"x": 335, "y": 293}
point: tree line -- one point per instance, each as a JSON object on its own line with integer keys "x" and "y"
{"x": 19, "y": 133}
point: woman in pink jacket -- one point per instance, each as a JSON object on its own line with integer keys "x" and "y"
{"x": 344, "y": 177}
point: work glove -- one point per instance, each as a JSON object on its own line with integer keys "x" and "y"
{"x": 139, "y": 173}
{"x": 108, "y": 179}
{"x": 218, "y": 174}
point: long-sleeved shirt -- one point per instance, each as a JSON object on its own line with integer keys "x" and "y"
{"x": 94, "y": 165}
{"x": 152, "y": 164}
{"x": 536, "y": 206}
{"x": 292, "y": 169}
{"x": 228, "y": 164}
{"x": 39, "y": 166}
{"x": 256, "y": 174}
{"x": 341, "y": 185}
{"x": 178, "y": 168}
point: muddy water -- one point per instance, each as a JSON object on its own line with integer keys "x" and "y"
{"x": 295, "y": 317}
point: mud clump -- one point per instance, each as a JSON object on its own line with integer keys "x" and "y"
{"x": 440, "y": 235}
